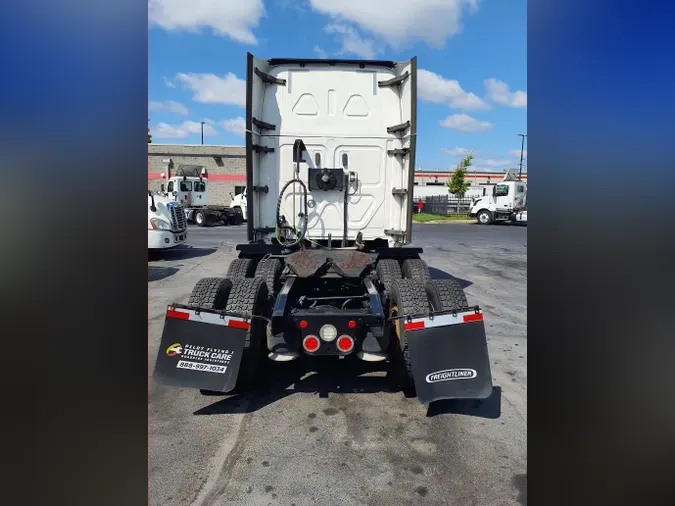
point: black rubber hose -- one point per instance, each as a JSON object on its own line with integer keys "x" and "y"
{"x": 346, "y": 201}
{"x": 303, "y": 229}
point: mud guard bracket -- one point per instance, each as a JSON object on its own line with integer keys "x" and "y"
{"x": 200, "y": 349}
{"x": 449, "y": 356}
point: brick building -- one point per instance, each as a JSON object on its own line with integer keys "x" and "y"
{"x": 226, "y": 166}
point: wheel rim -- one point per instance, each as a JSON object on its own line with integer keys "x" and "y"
{"x": 398, "y": 327}
{"x": 200, "y": 218}
{"x": 483, "y": 218}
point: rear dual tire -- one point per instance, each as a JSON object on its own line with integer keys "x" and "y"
{"x": 244, "y": 296}
{"x": 415, "y": 299}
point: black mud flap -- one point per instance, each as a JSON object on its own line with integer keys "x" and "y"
{"x": 449, "y": 356}
{"x": 200, "y": 349}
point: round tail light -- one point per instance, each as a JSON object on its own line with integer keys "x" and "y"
{"x": 345, "y": 344}
{"x": 311, "y": 343}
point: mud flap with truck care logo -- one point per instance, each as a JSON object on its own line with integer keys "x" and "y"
{"x": 200, "y": 349}
{"x": 449, "y": 356}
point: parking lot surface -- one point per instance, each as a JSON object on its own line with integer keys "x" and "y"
{"x": 339, "y": 432}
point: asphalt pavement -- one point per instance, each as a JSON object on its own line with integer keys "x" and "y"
{"x": 340, "y": 433}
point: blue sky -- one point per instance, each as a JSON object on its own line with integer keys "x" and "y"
{"x": 472, "y": 60}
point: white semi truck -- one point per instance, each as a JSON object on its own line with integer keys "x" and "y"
{"x": 239, "y": 202}
{"x": 507, "y": 203}
{"x": 167, "y": 226}
{"x": 190, "y": 187}
{"x": 326, "y": 271}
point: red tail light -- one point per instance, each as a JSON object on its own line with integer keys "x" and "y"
{"x": 303, "y": 324}
{"x": 311, "y": 343}
{"x": 352, "y": 324}
{"x": 345, "y": 344}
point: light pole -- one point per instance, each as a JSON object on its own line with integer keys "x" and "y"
{"x": 203, "y": 136}
{"x": 522, "y": 146}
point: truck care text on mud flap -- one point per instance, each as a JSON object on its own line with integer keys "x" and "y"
{"x": 325, "y": 272}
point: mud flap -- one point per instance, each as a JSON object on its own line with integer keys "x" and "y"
{"x": 449, "y": 356}
{"x": 200, "y": 349}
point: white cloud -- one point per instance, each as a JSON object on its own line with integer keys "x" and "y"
{"x": 168, "y": 82}
{"x": 437, "y": 89}
{"x": 168, "y": 106}
{"x": 456, "y": 151}
{"x": 516, "y": 153}
{"x": 401, "y": 22}
{"x": 320, "y": 52}
{"x": 228, "y": 18}
{"x": 166, "y": 131}
{"x": 494, "y": 163}
{"x": 236, "y": 126}
{"x": 351, "y": 41}
{"x": 498, "y": 92}
{"x": 213, "y": 89}
{"x": 464, "y": 123}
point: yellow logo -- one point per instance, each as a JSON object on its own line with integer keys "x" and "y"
{"x": 174, "y": 349}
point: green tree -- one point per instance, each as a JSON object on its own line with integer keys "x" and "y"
{"x": 457, "y": 184}
{"x": 149, "y": 137}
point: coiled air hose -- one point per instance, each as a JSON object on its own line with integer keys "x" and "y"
{"x": 299, "y": 235}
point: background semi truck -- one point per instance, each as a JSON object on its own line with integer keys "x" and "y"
{"x": 167, "y": 226}
{"x": 190, "y": 187}
{"x": 239, "y": 202}
{"x": 330, "y": 152}
{"x": 508, "y": 202}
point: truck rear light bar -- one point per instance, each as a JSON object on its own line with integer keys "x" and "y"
{"x": 200, "y": 316}
{"x": 443, "y": 320}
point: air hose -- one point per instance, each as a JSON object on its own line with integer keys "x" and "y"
{"x": 299, "y": 235}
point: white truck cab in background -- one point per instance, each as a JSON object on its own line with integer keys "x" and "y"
{"x": 239, "y": 202}
{"x": 190, "y": 187}
{"x": 508, "y": 202}
{"x": 167, "y": 226}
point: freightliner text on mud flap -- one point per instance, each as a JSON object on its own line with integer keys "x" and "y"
{"x": 201, "y": 349}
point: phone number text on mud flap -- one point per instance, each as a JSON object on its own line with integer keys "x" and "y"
{"x": 196, "y": 366}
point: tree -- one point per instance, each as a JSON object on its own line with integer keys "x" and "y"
{"x": 457, "y": 185}
{"x": 149, "y": 137}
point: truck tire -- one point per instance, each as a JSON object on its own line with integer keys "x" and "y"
{"x": 388, "y": 271}
{"x": 270, "y": 270}
{"x": 239, "y": 215}
{"x": 241, "y": 268}
{"x": 200, "y": 218}
{"x": 417, "y": 269}
{"x": 210, "y": 293}
{"x": 409, "y": 298}
{"x": 446, "y": 295}
{"x": 248, "y": 296}
{"x": 484, "y": 217}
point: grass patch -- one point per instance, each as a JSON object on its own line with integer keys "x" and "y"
{"x": 425, "y": 218}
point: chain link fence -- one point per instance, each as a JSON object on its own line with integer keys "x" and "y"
{"x": 444, "y": 205}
